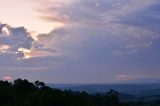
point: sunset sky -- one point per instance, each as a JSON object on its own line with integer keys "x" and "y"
{"x": 80, "y": 41}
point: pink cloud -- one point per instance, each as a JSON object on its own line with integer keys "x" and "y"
{"x": 7, "y": 78}
{"x": 122, "y": 77}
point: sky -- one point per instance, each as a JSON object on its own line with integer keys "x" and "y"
{"x": 80, "y": 41}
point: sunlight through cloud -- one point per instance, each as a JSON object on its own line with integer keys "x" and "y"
{"x": 26, "y": 53}
{"x": 4, "y": 48}
{"x": 5, "y": 31}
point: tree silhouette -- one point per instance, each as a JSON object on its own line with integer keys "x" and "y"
{"x": 39, "y": 84}
{"x": 112, "y": 98}
{"x": 23, "y": 85}
{"x": 24, "y": 93}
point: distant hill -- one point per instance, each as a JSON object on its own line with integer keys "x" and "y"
{"x": 136, "y": 89}
{"x": 127, "y": 91}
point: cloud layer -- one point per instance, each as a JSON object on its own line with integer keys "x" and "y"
{"x": 96, "y": 40}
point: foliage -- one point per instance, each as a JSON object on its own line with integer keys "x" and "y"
{"x": 24, "y": 93}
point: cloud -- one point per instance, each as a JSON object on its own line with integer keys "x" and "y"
{"x": 13, "y": 38}
{"x": 120, "y": 9}
{"x": 5, "y": 31}
{"x": 93, "y": 36}
{"x": 122, "y": 77}
{"x": 110, "y": 20}
{"x": 22, "y": 44}
{"x": 51, "y": 13}
{"x": 7, "y": 78}
{"x": 4, "y": 48}
{"x": 111, "y": 17}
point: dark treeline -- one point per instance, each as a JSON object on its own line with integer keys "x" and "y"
{"x": 24, "y": 93}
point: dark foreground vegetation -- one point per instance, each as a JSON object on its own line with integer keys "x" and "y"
{"x": 24, "y": 93}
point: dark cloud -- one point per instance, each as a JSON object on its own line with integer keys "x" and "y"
{"x": 15, "y": 38}
{"x": 112, "y": 33}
